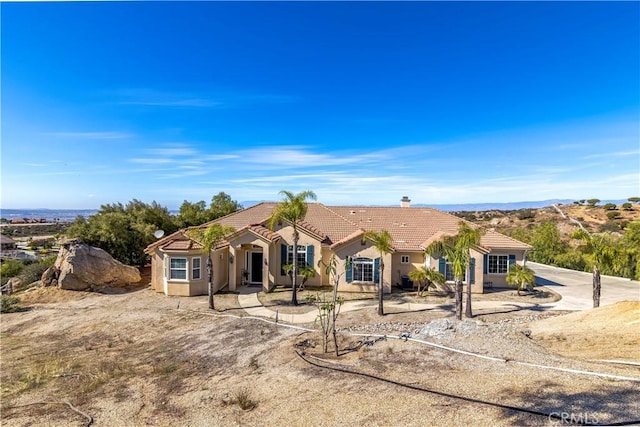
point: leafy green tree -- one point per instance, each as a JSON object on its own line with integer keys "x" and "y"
{"x": 192, "y": 214}
{"x": 547, "y": 243}
{"x": 521, "y": 277}
{"x": 426, "y": 277}
{"x": 457, "y": 251}
{"x": 609, "y": 206}
{"x": 631, "y": 244}
{"x": 627, "y": 206}
{"x": 384, "y": 244}
{"x": 593, "y": 202}
{"x": 222, "y": 204}
{"x": 634, "y": 199}
{"x": 124, "y": 231}
{"x": 209, "y": 238}
{"x": 292, "y": 209}
{"x": 572, "y": 259}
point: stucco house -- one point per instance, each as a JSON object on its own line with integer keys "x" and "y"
{"x": 254, "y": 254}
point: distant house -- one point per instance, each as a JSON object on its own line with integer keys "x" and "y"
{"x": 255, "y": 255}
{"x": 7, "y": 243}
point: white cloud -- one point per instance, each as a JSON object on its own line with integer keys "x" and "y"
{"x": 173, "y": 151}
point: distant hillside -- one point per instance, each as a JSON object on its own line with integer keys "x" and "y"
{"x": 594, "y": 218}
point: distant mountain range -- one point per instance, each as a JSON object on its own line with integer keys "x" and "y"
{"x": 482, "y": 206}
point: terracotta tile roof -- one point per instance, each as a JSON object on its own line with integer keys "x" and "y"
{"x": 178, "y": 241}
{"x": 264, "y": 232}
{"x": 494, "y": 240}
{"x": 355, "y": 235}
{"x": 409, "y": 227}
{"x": 256, "y": 214}
{"x": 412, "y": 228}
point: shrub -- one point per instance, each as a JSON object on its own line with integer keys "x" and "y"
{"x": 611, "y": 226}
{"x": 613, "y": 215}
{"x": 32, "y": 273}
{"x": 627, "y": 206}
{"x": 244, "y": 400}
{"x": 572, "y": 259}
{"x": 11, "y": 268}
{"x": 526, "y": 214}
{"x": 9, "y": 304}
{"x": 609, "y": 206}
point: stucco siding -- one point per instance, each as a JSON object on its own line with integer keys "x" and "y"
{"x": 499, "y": 280}
{"x": 357, "y": 250}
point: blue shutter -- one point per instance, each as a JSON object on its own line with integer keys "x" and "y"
{"x": 512, "y": 260}
{"x": 348, "y": 272}
{"x": 376, "y": 270}
{"x": 472, "y": 271}
{"x": 442, "y": 266}
{"x": 485, "y": 263}
{"x": 310, "y": 255}
{"x": 283, "y": 258}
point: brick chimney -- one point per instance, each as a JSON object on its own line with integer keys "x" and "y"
{"x": 405, "y": 202}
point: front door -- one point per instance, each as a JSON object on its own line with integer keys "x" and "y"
{"x": 255, "y": 270}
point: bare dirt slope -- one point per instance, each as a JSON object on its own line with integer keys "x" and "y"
{"x": 609, "y": 332}
{"x": 138, "y": 358}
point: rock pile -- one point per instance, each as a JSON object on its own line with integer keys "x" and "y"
{"x": 82, "y": 267}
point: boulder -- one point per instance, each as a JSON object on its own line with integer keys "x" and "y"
{"x": 82, "y": 267}
{"x": 11, "y": 285}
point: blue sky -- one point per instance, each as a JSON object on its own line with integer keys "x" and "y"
{"x": 361, "y": 102}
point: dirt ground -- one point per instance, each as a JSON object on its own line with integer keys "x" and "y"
{"x": 135, "y": 358}
{"x": 609, "y": 332}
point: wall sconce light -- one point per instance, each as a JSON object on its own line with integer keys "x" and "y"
{"x": 266, "y": 262}
{"x": 231, "y": 259}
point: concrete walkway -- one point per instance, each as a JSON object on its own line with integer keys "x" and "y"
{"x": 248, "y": 300}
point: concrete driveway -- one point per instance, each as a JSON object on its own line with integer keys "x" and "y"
{"x": 576, "y": 287}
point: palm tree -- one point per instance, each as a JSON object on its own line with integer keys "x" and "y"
{"x": 520, "y": 277}
{"x": 601, "y": 253}
{"x": 427, "y": 277}
{"x": 384, "y": 244}
{"x": 306, "y": 272}
{"x": 457, "y": 251}
{"x": 209, "y": 239}
{"x": 292, "y": 209}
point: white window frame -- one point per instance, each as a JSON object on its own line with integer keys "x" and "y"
{"x": 301, "y": 255}
{"x": 177, "y": 269}
{"x": 358, "y": 273}
{"x": 501, "y": 264}
{"x": 448, "y": 274}
{"x": 195, "y": 268}
{"x": 404, "y": 259}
